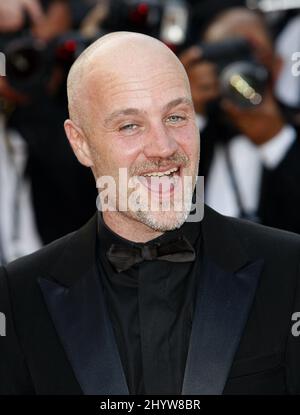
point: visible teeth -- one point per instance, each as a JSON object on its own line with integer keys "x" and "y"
{"x": 160, "y": 173}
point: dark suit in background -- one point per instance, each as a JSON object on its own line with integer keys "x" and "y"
{"x": 279, "y": 204}
{"x": 279, "y": 193}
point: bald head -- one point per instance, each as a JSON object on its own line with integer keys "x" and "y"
{"x": 126, "y": 53}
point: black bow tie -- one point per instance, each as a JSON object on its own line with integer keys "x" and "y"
{"x": 178, "y": 250}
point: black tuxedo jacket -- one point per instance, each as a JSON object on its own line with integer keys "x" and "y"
{"x": 59, "y": 339}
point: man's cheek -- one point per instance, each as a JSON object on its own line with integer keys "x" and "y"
{"x": 189, "y": 147}
{"x": 193, "y": 151}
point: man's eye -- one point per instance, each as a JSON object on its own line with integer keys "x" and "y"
{"x": 173, "y": 119}
{"x": 128, "y": 127}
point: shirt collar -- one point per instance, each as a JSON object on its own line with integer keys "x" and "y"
{"x": 106, "y": 236}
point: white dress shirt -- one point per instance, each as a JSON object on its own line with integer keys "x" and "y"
{"x": 18, "y": 232}
{"x": 247, "y": 162}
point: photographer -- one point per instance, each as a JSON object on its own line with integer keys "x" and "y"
{"x": 18, "y": 233}
{"x": 254, "y": 174}
{"x": 35, "y": 106}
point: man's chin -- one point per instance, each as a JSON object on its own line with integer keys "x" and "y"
{"x": 162, "y": 221}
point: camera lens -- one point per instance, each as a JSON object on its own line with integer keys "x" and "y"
{"x": 244, "y": 83}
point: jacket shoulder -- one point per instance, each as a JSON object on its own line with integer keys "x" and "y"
{"x": 258, "y": 238}
{"x": 68, "y": 255}
{"x": 41, "y": 259}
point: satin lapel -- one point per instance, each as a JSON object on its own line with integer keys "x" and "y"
{"x": 81, "y": 320}
{"x": 222, "y": 306}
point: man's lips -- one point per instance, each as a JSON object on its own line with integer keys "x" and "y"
{"x": 160, "y": 183}
{"x": 161, "y": 170}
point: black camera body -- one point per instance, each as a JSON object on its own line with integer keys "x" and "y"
{"x": 30, "y": 62}
{"x": 243, "y": 80}
{"x": 27, "y": 61}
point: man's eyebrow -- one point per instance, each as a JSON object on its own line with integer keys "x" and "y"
{"x": 178, "y": 101}
{"x": 136, "y": 111}
{"x": 120, "y": 113}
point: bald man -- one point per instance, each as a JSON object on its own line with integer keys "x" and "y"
{"x": 144, "y": 299}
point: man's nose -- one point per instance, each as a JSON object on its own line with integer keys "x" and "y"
{"x": 159, "y": 143}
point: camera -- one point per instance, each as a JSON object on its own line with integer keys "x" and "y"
{"x": 30, "y": 61}
{"x": 243, "y": 80}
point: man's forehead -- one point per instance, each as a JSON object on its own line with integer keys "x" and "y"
{"x": 136, "y": 82}
{"x": 138, "y": 79}
{"x": 131, "y": 68}
{"x": 137, "y": 93}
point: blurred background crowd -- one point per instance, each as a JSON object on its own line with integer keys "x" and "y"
{"x": 243, "y": 62}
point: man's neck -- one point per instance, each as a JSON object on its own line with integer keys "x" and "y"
{"x": 129, "y": 228}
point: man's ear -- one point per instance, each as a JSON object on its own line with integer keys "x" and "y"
{"x": 79, "y": 143}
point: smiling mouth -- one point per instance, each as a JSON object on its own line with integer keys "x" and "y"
{"x": 170, "y": 172}
{"x": 161, "y": 182}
